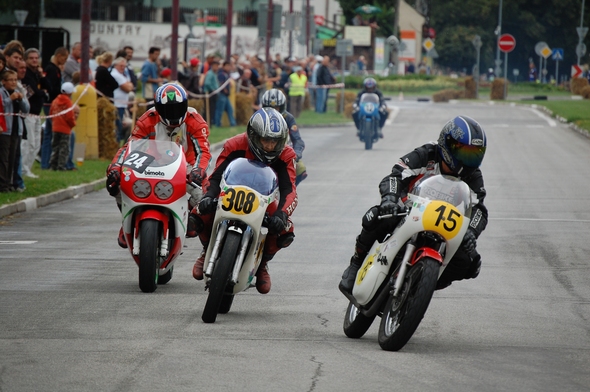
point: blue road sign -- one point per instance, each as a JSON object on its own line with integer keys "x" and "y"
{"x": 557, "y": 54}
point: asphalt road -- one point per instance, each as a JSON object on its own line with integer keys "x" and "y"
{"x": 72, "y": 317}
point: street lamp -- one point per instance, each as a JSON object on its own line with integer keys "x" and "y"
{"x": 498, "y": 32}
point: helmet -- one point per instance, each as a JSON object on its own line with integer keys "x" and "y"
{"x": 370, "y": 84}
{"x": 171, "y": 104}
{"x": 275, "y": 99}
{"x": 267, "y": 124}
{"x": 462, "y": 145}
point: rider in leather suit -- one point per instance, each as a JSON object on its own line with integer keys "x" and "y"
{"x": 459, "y": 152}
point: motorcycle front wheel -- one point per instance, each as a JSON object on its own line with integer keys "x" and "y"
{"x": 149, "y": 254}
{"x": 368, "y": 131}
{"x": 356, "y": 324}
{"x": 403, "y": 314}
{"x": 221, "y": 274}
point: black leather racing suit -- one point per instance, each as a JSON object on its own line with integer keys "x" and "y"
{"x": 410, "y": 168}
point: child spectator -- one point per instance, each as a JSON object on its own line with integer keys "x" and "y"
{"x": 62, "y": 126}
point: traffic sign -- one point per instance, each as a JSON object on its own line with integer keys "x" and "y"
{"x": 557, "y": 54}
{"x": 539, "y": 47}
{"x": 576, "y": 71}
{"x": 506, "y": 43}
{"x": 319, "y": 20}
{"x": 582, "y": 31}
{"x": 344, "y": 47}
{"x": 476, "y": 42}
{"x": 546, "y": 52}
{"x": 428, "y": 44}
{"x": 580, "y": 49}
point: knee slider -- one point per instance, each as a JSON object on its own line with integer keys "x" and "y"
{"x": 285, "y": 240}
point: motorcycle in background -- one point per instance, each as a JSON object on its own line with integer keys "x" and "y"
{"x": 399, "y": 275}
{"x": 369, "y": 119}
{"x": 248, "y": 189}
{"x": 154, "y": 208}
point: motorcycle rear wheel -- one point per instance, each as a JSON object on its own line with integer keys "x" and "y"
{"x": 402, "y": 315}
{"x": 356, "y": 324}
{"x": 221, "y": 275}
{"x": 149, "y": 255}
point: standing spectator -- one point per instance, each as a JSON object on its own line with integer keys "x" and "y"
{"x": 298, "y": 82}
{"x": 17, "y": 176}
{"x": 73, "y": 62}
{"x": 93, "y": 62}
{"x": 35, "y": 85}
{"x": 324, "y": 78}
{"x": 223, "y": 104}
{"x": 150, "y": 78}
{"x": 13, "y": 102}
{"x": 361, "y": 64}
{"x": 190, "y": 77}
{"x": 211, "y": 84}
{"x": 121, "y": 94}
{"x": 53, "y": 81}
{"x": 129, "y": 71}
{"x": 62, "y": 126}
{"x": 532, "y": 72}
{"x": 105, "y": 82}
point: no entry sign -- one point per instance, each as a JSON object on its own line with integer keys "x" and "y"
{"x": 506, "y": 43}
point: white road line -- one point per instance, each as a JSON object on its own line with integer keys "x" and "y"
{"x": 17, "y": 242}
{"x": 392, "y": 114}
{"x": 550, "y": 121}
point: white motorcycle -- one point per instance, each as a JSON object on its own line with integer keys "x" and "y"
{"x": 399, "y": 275}
{"x": 248, "y": 188}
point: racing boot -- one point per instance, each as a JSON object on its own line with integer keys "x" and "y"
{"x": 349, "y": 275}
{"x": 262, "y": 277}
{"x": 380, "y": 132}
{"x": 198, "y": 267}
{"x": 121, "y": 239}
{"x": 194, "y": 226}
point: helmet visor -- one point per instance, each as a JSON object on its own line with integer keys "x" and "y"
{"x": 470, "y": 156}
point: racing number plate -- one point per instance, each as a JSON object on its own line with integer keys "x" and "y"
{"x": 138, "y": 161}
{"x": 240, "y": 201}
{"x": 442, "y": 218}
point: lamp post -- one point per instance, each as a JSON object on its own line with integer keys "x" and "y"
{"x": 498, "y": 32}
{"x": 581, "y": 34}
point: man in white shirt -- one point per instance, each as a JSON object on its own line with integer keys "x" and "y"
{"x": 121, "y": 94}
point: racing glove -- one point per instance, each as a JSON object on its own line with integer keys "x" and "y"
{"x": 469, "y": 241}
{"x": 277, "y": 223}
{"x": 197, "y": 175}
{"x": 113, "y": 179}
{"x": 206, "y": 205}
{"x": 388, "y": 205}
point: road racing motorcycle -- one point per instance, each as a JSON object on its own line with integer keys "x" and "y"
{"x": 369, "y": 119}
{"x": 399, "y": 275}
{"x": 248, "y": 189}
{"x": 154, "y": 208}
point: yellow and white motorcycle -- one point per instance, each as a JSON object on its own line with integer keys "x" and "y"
{"x": 398, "y": 276}
{"x": 248, "y": 190}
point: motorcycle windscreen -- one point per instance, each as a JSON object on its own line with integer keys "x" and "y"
{"x": 369, "y": 97}
{"x": 152, "y": 153}
{"x": 253, "y": 174}
{"x": 446, "y": 188}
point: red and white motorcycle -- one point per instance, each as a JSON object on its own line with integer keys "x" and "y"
{"x": 154, "y": 208}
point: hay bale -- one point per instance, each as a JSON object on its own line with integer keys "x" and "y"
{"x": 349, "y": 98}
{"x": 141, "y": 107}
{"x": 348, "y": 110}
{"x": 470, "y": 88}
{"x": 244, "y": 111}
{"x": 497, "y": 91}
{"x": 585, "y": 92}
{"x": 447, "y": 95}
{"x": 107, "y": 116}
{"x": 577, "y": 85}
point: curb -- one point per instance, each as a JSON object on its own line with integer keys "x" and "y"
{"x": 33, "y": 203}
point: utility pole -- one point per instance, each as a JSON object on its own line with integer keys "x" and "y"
{"x": 581, "y": 34}
{"x": 307, "y": 28}
{"x": 228, "y": 22}
{"x": 395, "y": 58}
{"x": 174, "y": 44}
{"x": 85, "y": 8}
{"x": 269, "y": 19}
{"x": 498, "y": 32}
{"x": 291, "y": 30}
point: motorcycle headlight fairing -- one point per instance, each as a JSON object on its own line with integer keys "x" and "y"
{"x": 163, "y": 190}
{"x": 142, "y": 189}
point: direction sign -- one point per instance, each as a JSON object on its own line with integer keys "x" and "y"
{"x": 546, "y": 52}
{"x": 580, "y": 49}
{"x": 344, "y": 47}
{"x": 557, "y": 54}
{"x": 506, "y": 43}
{"x": 576, "y": 71}
{"x": 428, "y": 44}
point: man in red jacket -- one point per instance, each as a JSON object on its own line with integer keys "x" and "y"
{"x": 169, "y": 119}
{"x": 264, "y": 140}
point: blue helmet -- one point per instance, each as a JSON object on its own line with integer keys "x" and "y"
{"x": 267, "y": 124}
{"x": 462, "y": 145}
{"x": 370, "y": 84}
{"x": 274, "y": 98}
{"x": 171, "y": 103}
